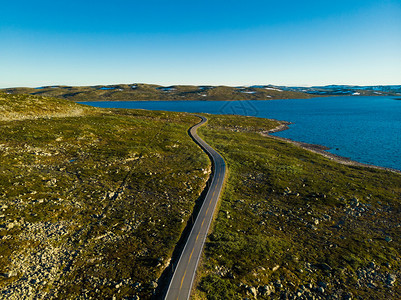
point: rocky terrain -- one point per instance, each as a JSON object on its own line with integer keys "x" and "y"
{"x": 296, "y": 225}
{"x": 92, "y": 202}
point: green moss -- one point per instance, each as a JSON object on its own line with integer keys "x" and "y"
{"x": 121, "y": 185}
{"x": 114, "y": 189}
{"x": 287, "y": 213}
{"x": 217, "y": 288}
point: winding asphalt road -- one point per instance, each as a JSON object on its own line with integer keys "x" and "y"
{"x": 184, "y": 273}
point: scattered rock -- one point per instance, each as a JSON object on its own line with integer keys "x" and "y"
{"x": 266, "y": 290}
{"x": 9, "y": 274}
{"x": 136, "y": 285}
{"x": 391, "y": 279}
{"x": 311, "y": 226}
{"x": 153, "y": 284}
{"x": 252, "y": 290}
{"x": 388, "y": 239}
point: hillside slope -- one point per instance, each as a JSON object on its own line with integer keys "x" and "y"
{"x": 92, "y": 201}
{"x": 23, "y": 107}
{"x": 132, "y": 92}
{"x": 296, "y": 225}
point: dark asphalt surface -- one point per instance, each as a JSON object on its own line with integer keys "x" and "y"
{"x": 184, "y": 273}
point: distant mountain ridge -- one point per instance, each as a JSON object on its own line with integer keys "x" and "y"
{"x": 374, "y": 90}
{"x": 140, "y": 91}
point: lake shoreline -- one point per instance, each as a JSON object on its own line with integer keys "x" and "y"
{"x": 340, "y": 122}
{"x": 200, "y": 99}
{"x": 320, "y": 149}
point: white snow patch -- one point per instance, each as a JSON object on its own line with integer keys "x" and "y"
{"x": 356, "y": 94}
{"x": 246, "y": 92}
{"x": 273, "y": 89}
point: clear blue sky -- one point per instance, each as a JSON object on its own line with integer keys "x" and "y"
{"x": 200, "y": 42}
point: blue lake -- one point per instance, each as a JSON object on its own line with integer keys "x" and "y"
{"x": 365, "y": 129}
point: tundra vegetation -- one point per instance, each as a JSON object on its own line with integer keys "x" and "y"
{"x": 296, "y": 225}
{"x": 140, "y": 91}
{"x": 92, "y": 201}
{"x": 131, "y": 92}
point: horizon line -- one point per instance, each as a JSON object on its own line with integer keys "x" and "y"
{"x": 213, "y": 85}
